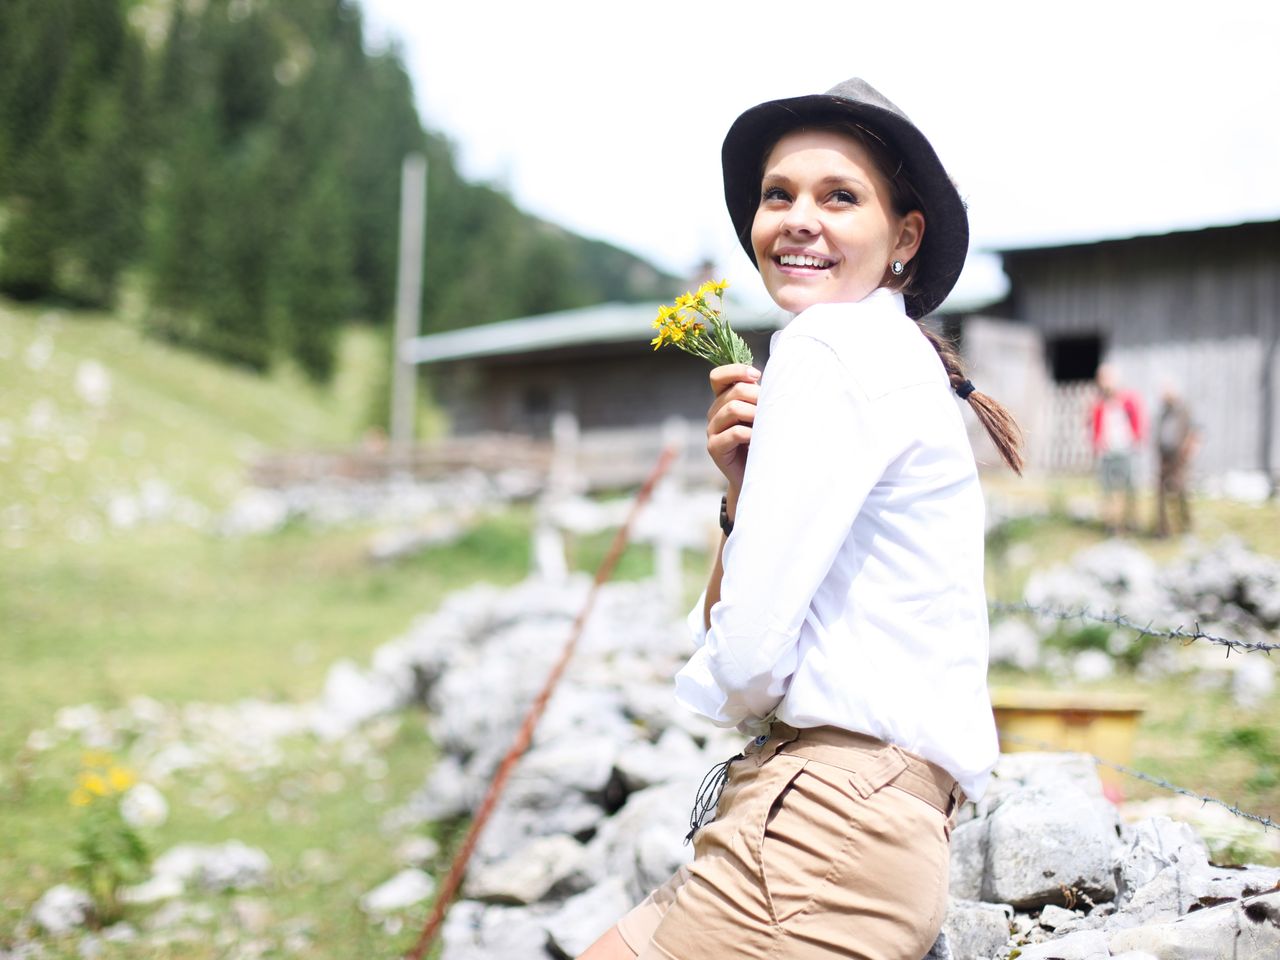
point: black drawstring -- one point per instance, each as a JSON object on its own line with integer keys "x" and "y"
{"x": 708, "y": 799}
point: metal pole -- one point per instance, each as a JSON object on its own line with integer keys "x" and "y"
{"x": 413, "y": 213}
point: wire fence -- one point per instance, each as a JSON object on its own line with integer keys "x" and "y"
{"x": 1179, "y": 633}
{"x": 1266, "y": 822}
{"x": 1085, "y": 615}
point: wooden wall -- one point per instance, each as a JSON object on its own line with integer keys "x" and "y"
{"x": 1200, "y": 310}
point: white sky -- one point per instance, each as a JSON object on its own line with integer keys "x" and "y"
{"x": 1059, "y": 121}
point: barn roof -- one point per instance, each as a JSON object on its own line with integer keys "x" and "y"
{"x": 1207, "y": 230}
{"x": 600, "y": 324}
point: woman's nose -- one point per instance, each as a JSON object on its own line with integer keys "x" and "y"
{"x": 801, "y": 217}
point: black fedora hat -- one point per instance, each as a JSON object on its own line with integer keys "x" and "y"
{"x": 946, "y": 232}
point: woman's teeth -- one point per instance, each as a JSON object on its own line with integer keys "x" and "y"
{"x": 799, "y": 260}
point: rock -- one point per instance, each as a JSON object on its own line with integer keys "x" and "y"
{"x": 1050, "y": 848}
{"x": 674, "y": 757}
{"x": 406, "y": 888}
{"x": 417, "y": 851}
{"x": 251, "y": 915}
{"x": 1052, "y": 917}
{"x": 1182, "y": 888}
{"x": 582, "y": 919}
{"x": 941, "y": 949}
{"x": 1243, "y": 930}
{"x": 1015, "y": 643}
{"x": 976, "y": 929}
{"x": 62, "y": 909}
{"x": 474, "y": 931}
{"x": 144, "y": 806}
{"x": 1046, "y": 771}
{"x": 584, "y": 764}
{"x": 643, "y": 843}
{"x": 1152, "y": 845}
{"x": 1085, "y": 945}
{"x": 227, "y": 866}
{"x": 157, "y": 888}
{"x": 352, "y": 696}
{"x": 969, "y": 859}
{"x": 527, "y": 877}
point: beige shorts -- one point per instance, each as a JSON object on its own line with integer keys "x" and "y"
{"x": 826, "y": 844}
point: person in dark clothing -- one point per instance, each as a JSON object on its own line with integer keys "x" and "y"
{"x": 1176, "y": 441}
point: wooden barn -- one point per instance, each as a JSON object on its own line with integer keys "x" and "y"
{"x": 1195, "y": 309}
{"x": 591, "y": 368}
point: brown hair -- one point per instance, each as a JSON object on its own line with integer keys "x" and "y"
{"x": 995, "y": 419}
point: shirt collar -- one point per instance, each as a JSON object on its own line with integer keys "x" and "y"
{"x": 881, "y": 299}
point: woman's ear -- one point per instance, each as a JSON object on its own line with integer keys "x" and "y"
{"x": 910, "y": 234}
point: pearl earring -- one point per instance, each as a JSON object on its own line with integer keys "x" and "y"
{"x": 896, "y": 268}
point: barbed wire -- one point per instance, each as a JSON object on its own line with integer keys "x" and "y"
{"x": 1084, "y": 614}
{"x": 1267, "y": 822}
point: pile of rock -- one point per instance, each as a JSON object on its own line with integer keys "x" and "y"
{"x": 595, "y": 813}
{"x": 1043, "y": 866}
{"x": 1226, "y": 590}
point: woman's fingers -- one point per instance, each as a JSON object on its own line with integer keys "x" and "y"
{"x": 730, "y": 413}
{"x": 726, "y": 376}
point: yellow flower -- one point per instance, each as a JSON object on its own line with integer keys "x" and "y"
{"x": 94, "y": 784}
{"x": 717, "y": 287}
{"x": 121, "y": 779}
{"x": 81, "y": 797}
{"x": 686, "y": 301}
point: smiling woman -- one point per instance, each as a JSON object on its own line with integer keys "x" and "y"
{"x": 844, "y": 625}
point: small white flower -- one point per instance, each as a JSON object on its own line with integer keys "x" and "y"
{"x": 144, "y": 806}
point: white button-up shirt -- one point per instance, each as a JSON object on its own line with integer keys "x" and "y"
{"x": 853, "y": 591}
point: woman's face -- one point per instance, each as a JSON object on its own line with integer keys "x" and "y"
{"x": 825, "y": 230}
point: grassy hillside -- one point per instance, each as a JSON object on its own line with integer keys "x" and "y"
{"x": 90, "y": 408}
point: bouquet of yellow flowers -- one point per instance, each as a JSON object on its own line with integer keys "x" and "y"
{"x": 696, "y": 327}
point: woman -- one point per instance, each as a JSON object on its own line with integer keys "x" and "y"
{"x": 844, "y": 624}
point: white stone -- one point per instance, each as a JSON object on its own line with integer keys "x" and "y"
{"x": 62, "y": 908}
{"x": 969, "y": 859}
{"x": 976, "y": 929}
{"x": 144, "y": 806}
{"x": 475, "y": 931}
{"x": 1152, "y": 845}
{"x": 1048, "y": 847}
{"x": 1014, "y": 642}
{"x": 406, "y": 888}
{"x": 1243, "y": 930}
{"x": 226, "y": 866}
{"x": 157, "y": 888}
{"x": 417, "y": 851}
{"x": 528, "y": 876}
{"x": 582, "y": 919}
{"x": 1052, "y": 917}
{"x": 1083, "y": 945}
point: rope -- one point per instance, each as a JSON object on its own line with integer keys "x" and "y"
{"x": 458, "y": 868}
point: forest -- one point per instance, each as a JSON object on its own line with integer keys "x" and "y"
{"x": 233, "y": 166}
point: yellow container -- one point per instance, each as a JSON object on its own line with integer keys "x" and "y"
{"x": 1102, "y": 724}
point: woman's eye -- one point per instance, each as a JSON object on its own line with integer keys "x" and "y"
{"x": 774, "y": 193}
{"x": 843, "y": 196}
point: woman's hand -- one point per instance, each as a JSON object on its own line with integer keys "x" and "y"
{"x": 729, "y": 420}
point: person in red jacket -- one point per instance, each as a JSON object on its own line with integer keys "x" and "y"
{"x": 1118, "y": 428}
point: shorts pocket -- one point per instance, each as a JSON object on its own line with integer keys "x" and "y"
{"x": 805, "y": 834}
{"x": 809, "y": 830}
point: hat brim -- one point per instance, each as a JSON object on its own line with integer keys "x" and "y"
{"x": 946, "y": 235}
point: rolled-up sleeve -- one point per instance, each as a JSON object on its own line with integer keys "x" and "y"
{"x": 814, "y": 458}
